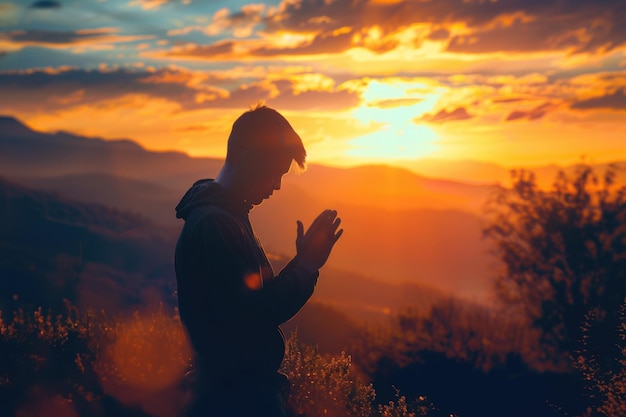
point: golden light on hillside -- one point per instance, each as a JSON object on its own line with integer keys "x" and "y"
{"x": 150, "y": 352}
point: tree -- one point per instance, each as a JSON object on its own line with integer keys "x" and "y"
{"x": 563, "y": 252}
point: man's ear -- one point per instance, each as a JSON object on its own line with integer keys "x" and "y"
{"x": 248, "y": 159}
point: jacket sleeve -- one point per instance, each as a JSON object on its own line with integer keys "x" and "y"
{"x": 238, "y": 295}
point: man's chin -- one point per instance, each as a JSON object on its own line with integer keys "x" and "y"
{"x": 258, "y": 201}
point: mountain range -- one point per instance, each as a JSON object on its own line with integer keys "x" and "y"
{"x": 56, "y": 250}
{"x": 400, "y": 227}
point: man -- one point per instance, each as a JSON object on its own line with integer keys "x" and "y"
{"x": 230, "y": 301}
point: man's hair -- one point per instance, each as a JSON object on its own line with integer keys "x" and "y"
{"x": 267, "y": 133}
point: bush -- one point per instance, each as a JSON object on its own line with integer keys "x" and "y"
{"x": 92, "y": 365}
{"x": 324, "y": 385}
{"x": 606, "y": 386}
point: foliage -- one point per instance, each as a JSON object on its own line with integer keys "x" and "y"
{"x": 92, "y": 365}
{"x": 48, "y": 360}
{"x": 606, "y": 387}
{"x": 324, "y": 385}
{"x": 421, "y": 408}
{"x": 466, "y": 359}
{"x": 564, "y": 253}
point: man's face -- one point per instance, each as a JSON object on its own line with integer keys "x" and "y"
{"x": 266, "y": 178}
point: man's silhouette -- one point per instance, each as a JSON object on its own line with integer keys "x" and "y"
{"x": 231, "y": 302}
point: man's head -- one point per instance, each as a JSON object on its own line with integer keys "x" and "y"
{"x": 261, "y": 148}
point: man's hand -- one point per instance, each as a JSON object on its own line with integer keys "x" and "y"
{"x": 314, "y": 246}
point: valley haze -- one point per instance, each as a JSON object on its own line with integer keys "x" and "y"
{"x": 401, "y": 227}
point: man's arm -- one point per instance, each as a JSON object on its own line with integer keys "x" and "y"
{"x": 232, "y": 266}
{"x": 237, "y": 296}
{"x": 313, "y": 249}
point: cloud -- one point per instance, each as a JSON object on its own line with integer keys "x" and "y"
{"x": 45, "y": 4}
{"x": 533, "y": 114}
{"x": 439, "y": 34}
{"x": 317, "y": 27}
{"x": 460, "y": 113}
{"x": 321, "y": 44}
{"x": 615, "y": 100}
{"x": 474, "y": 27}
{"x": 221, "y": 49}
{"x": 148, "y": 4}
{"x": 397, "y": 102}
{"x": 18, "y": 39}
{"x": 42, "y": 90}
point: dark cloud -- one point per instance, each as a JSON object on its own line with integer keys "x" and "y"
{"x": 42, "y": 90}
{"x": 321, "y": 44}
{"x": 287, "y": 99}
{"x": 65, "y": 38}
{"x": 460, "y": 113}
{"x": 49, "y": 36}
{"x": 216, "y": 50}
{"x": 3, "y": 54}
{"x": 45, "y": 89}
{"x": 492, "y": 26}
{"x": 45, "y": 4}
{"x": 615, "y": 100}
{"x": 512, "y": 25}
{"x": 439, "y": 34}
{"x": 533, "y": 114}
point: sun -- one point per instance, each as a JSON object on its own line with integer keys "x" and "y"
{"x": 394, "y": 105}
{"x": 395, "y": 143}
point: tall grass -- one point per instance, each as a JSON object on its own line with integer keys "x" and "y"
{"x": 90, "y": 364}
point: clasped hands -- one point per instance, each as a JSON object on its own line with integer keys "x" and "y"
{"x": 314, "y": 246}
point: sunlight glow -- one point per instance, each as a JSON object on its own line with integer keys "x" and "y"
{"x": 395, "y": 104}
{"x": 392, "y": 143}
{"x": 146, "y": 350}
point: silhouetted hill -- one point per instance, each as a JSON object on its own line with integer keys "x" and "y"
{"x": 100, "y": 258}
{"x": 90, "y": 254}
{"x": 14, "y": 128}
{"x": 27, "y": 153}
{"x": 148, "y": 198}
{"x": 394, "y": 231}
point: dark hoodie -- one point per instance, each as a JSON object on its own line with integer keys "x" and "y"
{"x": 230, "y": 301}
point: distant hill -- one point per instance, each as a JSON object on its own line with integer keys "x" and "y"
{"x": 92, "y": 255}
{"x": 53, "y": 248}
{"x": 28, "y": 153}
{"x": 25, "y": 153}
{"x": 400, "y": 227}
{"x": 151, "y": 199}
{"x": 389, "y": 188}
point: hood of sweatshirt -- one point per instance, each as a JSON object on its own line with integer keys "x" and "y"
{"x": 207, "y": 192}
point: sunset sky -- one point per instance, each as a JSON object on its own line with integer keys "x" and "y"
{"x": 515, "y": 82}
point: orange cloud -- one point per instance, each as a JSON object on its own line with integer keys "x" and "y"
{"x": 615, "y": 100}
{"x": 460, "y": 113}
{"x": 532, "y": 114}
